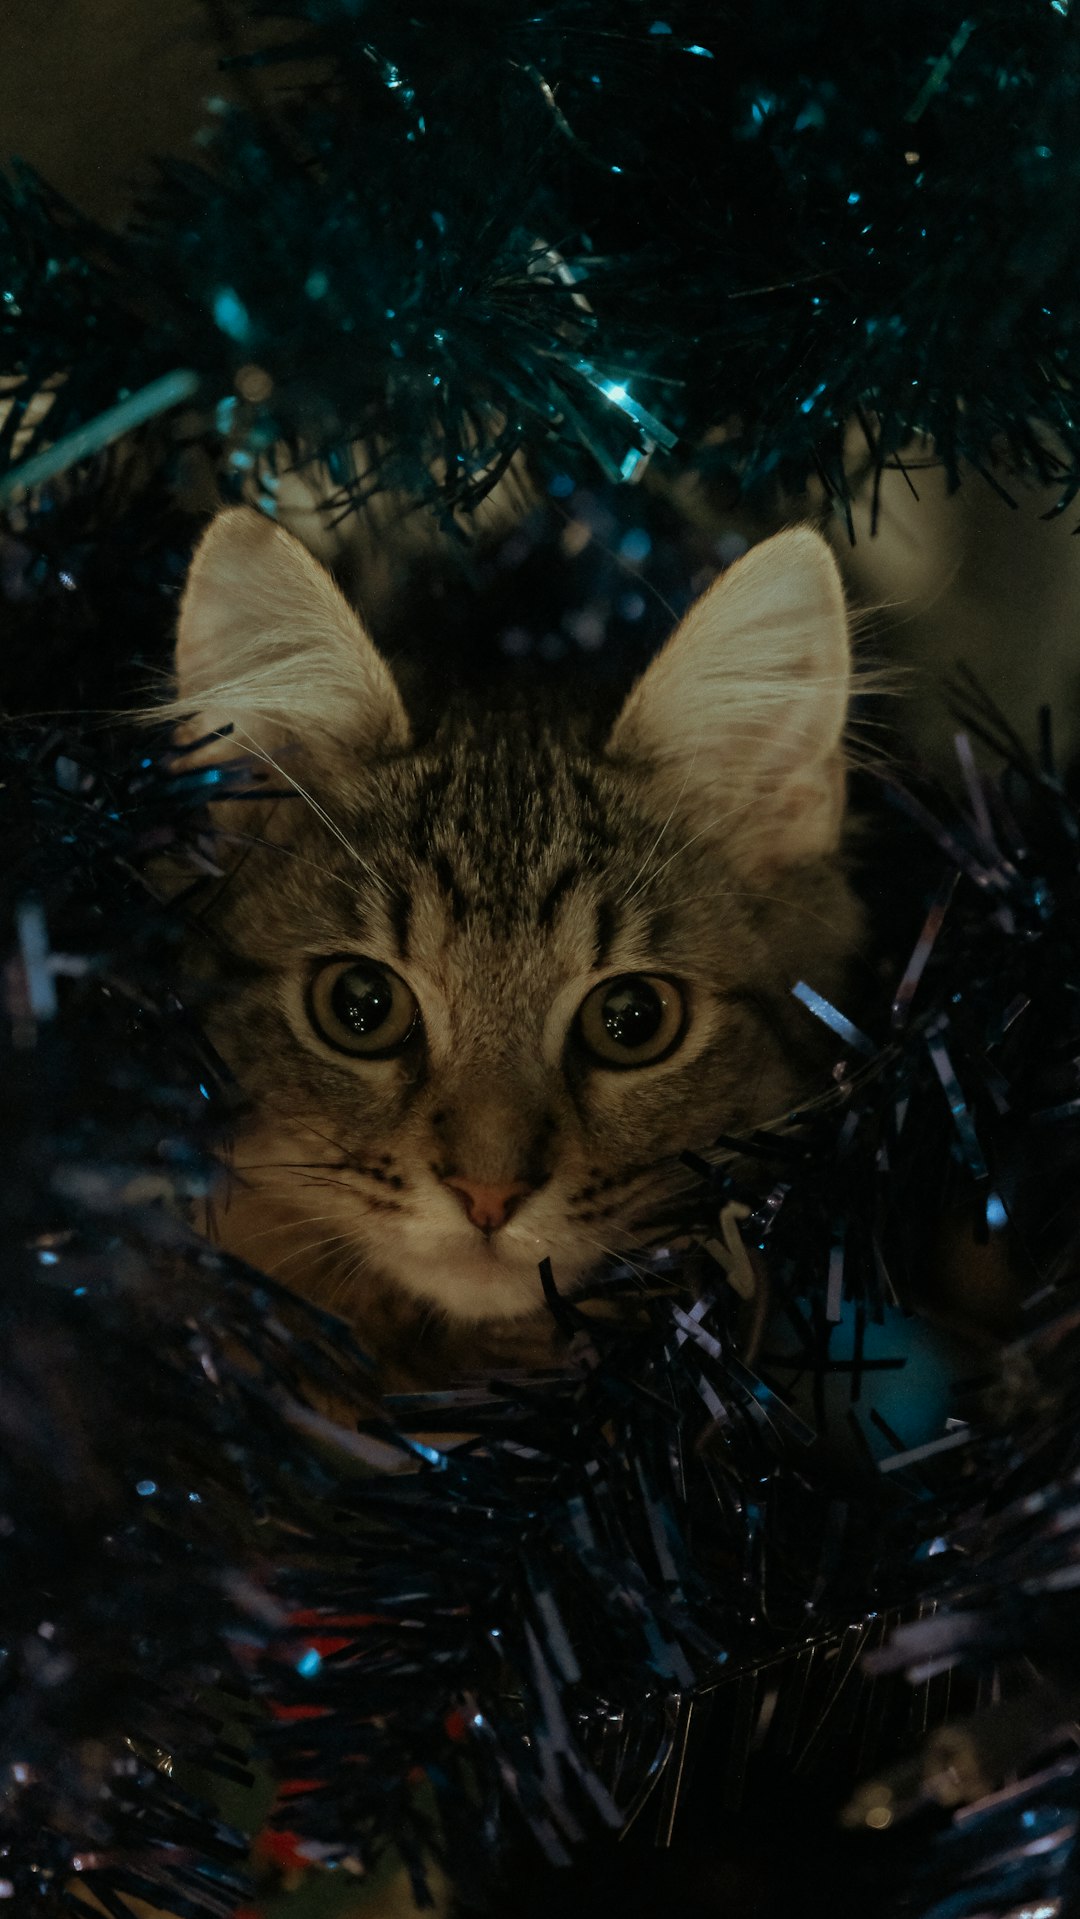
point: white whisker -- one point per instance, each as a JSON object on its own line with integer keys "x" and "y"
{"x": 319, "y": 811}
{"x": 629, "y": 891}
{"x": 313, "y": 1246}
{"x": 347, "y": 1278}
{"x": 252, "y": 840}
{"x": 290, "y": 1225}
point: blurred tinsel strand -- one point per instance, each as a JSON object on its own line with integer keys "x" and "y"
{"x": 586, "y": 232}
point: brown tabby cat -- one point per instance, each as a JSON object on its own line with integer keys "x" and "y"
{"x": 483, "y": 984}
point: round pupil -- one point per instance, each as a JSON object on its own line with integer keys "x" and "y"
{"x": 632, "y": 1013}
{"x": 362, "y": 1001}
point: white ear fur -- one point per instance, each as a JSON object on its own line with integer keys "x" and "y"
{"x": 266, "y": 640}
{"x": 739, "y": 720}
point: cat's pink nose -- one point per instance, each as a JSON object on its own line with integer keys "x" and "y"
{"x": 489, "y": 1207}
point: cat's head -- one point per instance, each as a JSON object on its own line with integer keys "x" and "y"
{"x": 483, "y": 987}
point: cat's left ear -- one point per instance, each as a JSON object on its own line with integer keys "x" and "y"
{"x": 738, "y": 723}
{"x": 267, "y": 642}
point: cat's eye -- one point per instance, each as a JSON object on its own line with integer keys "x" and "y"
{"x": 633, "y": 1020}
{"x": 362, "y": 1008}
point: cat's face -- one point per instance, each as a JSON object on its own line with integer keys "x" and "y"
{"x": 483, "y": 991}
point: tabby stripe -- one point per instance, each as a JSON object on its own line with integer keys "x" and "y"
{"x": 607, "y": 925}
{"x": 556, "y": 893}
{"x": 400, "y": 912}
{"x": 444, "y": 873}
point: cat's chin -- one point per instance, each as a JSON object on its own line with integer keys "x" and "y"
{"x": 478, "y": 1283}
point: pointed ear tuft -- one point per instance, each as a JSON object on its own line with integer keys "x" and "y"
{"x": 267, "y": 642}
{"x": 739, "y": 720}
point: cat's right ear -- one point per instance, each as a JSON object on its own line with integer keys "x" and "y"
{"x": 268, "y": 644}
{"x": 738, "y": 723}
